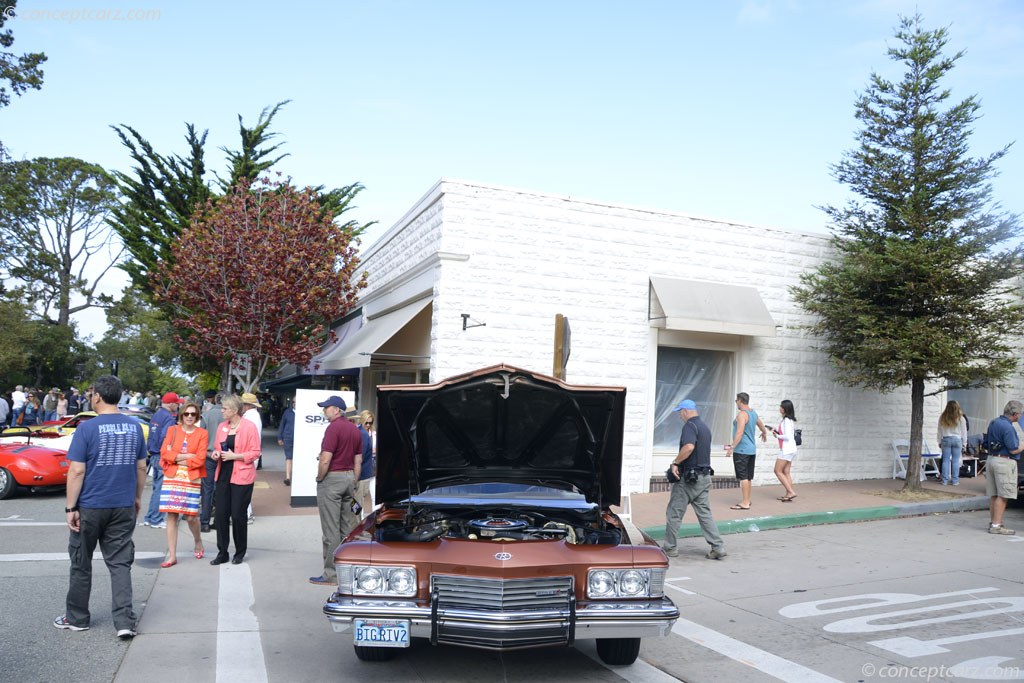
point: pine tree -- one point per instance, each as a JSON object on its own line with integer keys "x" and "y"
{"x": 922, "y": 287}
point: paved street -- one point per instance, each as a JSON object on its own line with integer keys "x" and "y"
{"x": 844, "y": 602}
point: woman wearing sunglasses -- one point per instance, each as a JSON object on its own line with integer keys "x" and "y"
{"x": 183, "y": 460}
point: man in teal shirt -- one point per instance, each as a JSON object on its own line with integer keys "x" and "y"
{"x": 743, "y": 449}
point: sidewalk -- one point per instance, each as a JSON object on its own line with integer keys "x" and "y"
{"x": 817, "y": 503}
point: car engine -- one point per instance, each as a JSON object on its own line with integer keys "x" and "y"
{"x": 504, "y": 525}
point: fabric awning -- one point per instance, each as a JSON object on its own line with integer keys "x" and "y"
{"x": 698, "y": 306}
{"x": 355, "y": 350}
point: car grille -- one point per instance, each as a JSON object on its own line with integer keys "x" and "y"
{"x": 502, "y": 614}
{"x": 511, "y": 595}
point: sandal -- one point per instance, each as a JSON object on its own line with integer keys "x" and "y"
{"x": 199, "y": 553}
{"x": 788, "y": 499}
{"x": 739, "y": 507}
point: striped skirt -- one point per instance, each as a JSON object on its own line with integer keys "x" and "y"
{"x": 181, "y": 495}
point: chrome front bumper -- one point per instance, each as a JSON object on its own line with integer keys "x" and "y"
{"x": 496, "y": 630}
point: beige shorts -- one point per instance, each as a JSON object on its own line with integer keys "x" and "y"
{"x": 1001, "y": 477}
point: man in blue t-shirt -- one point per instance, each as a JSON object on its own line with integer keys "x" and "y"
{"x": 104, "y": 495}
{"x": 1001, "y": 466}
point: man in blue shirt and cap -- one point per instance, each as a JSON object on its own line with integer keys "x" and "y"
{"x": 693, "y": 468}
{"x": 1001, "y": 466}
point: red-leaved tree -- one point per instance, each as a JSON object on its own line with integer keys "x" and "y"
{"x": 258, "y": 276}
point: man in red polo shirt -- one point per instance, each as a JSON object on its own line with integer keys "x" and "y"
{"x": 341, "y": 454}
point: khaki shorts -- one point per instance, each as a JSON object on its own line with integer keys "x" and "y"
{"x": 1001, "y": 477}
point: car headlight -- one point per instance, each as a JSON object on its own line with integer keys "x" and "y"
{"x": 618, "y": 583}
{"x": 376, "y": 580}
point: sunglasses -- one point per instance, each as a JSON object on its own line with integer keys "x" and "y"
{"x": 190, "y": 414}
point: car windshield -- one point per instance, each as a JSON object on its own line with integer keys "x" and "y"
{"x": 500, "y": 491}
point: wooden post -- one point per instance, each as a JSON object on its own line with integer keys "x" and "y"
{"x": 562, "y": 346}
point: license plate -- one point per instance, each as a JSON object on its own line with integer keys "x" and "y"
{"x": 378, "y": 633}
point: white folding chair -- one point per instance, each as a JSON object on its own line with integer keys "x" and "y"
{"x": 901, "y": 453}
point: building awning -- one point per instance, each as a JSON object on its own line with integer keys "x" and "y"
{"x": 697, "y": 306}
{"x": 356, "y": 349}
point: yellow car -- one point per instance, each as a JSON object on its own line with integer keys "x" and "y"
{"x": 69, "y": 426}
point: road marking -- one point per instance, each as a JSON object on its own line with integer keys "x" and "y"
{"x": 1015, "y": 539}
{"x": 677, "y": 588}
{"x": 49, "y": 557}
{"x": 766, "y": 662}
{"x": 679, "y": 578}
{"x": 33, "y": 523}
{"x": 239, "y": 649}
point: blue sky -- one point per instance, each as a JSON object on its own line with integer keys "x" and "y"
{"x": 727, "y": 109}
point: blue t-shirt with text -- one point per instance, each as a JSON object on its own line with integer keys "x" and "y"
{"x": 110, "y": 446}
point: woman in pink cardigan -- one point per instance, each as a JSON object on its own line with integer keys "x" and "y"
{"x": 236, "y": 447}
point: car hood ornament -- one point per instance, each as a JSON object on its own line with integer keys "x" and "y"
{"x": 503, "y": 556}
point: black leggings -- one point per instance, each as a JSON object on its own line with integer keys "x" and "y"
{"x": 232, "y": 501}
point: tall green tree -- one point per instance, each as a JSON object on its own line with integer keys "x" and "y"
{"x": 15, "y": 341}
{"x": 920, "y": 288}
{"x": 53, "y": 219}
{"x": 19, "y": 72}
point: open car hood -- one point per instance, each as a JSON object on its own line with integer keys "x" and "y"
{"x": 500, "y": 424}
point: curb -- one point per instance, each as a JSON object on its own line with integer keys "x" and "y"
{"x": 738, "y": 526}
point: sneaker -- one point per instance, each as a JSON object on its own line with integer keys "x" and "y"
{"x": 716, "y": 554}
{"x": 1001, "y": 530}
{"x": 287, "y": 482}
{"x": 143, "y": 523}
{"x": 161, "y": 525}
{"x": 205, "y": 529}
{"x": 251, "y": 519}
{"x": 321, "y": 581}
{"x": 671, "y": 552}
{"x": 63, "y": 623}
{"x": 126, "y": 633}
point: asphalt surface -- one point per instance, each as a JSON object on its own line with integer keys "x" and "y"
{"x": 744, "y": 618}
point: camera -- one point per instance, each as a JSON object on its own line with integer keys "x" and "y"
{"x": 690, "y": 476}
{"x": 356, "y": 507}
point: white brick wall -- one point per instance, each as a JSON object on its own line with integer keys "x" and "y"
{"x": 532, "y": 255}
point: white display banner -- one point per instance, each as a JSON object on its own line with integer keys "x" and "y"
{"x": 310, "y": 425}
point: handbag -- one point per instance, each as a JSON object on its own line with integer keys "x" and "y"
{"x": 21, "y": 418}
{"x": 798, "y": 437}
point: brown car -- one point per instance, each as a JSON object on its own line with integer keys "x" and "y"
{"x": 495, "y": 529}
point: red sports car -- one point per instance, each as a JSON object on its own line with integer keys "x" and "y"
{"x": 26, "y": 462}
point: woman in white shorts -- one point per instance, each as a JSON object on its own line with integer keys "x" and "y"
{"x": 786, "y": 434}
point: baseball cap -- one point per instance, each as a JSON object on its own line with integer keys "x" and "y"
{"x": 250, "y": 398}
{"x": 686, "y": 404}
{"x": 171, "y": 397}
{"x": 336, "y": 401}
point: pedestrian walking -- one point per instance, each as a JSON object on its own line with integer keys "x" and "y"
{"x": 786, "y": 433}
{"x": 368, "y": 468}
{"x": 183, "y": 460}
{"x": 743, "y": 449}
{"x": 18, "y": 399}
{"x": 692, "y": 467}
{"x": 341, "y": 453}
{"x": 33, "y": 410}
{"x": 1001, "y": 469}
{"x": 236, "y": 448}
{"x": 952, "y": 438}
{"x": 365, "y": 468}
{"x": 62, "y": 406}
{"x": 158, "y": 425}
{"x": 50, "y": 405}
{"x": 106, "y": 474}
{"x": 286, "y": 439}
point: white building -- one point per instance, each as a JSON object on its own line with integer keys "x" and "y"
{"x": 669, "y": 305}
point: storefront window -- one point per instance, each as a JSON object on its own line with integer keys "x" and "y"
{"x": 706, "y": 377}
{"x": 978, "y": 405}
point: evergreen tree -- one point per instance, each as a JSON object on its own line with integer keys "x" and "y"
{"x": 921, "y": 289}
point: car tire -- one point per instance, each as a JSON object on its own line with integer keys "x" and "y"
{"x": 618, "y": 651}
{"x": 7, "y": 483}
{"x": 375, "y": 654}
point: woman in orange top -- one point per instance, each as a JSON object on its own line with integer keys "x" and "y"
{"x": 183, "y": 459}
